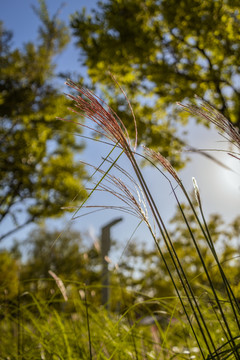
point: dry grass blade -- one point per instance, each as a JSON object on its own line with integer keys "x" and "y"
{"x": 204, "y": 152}
{"x": 130, "y": 107}
{"x": 235, "y": 156}
{"x": 164, "y": 162}
{"x": 132, "y": 197}
{"x": 59, "y": 284}
{"x": 93, "y": 108}
{"x": 207, "y": 111}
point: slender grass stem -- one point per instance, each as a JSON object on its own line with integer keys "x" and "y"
{"x": 210, "y": 244}
{"x": 88, "y": 324}
{"x": 207, "y": 274}
{"x": 202, "y": 260}
{"x": 173, "y": 255}
{"x": 225, "y": 280}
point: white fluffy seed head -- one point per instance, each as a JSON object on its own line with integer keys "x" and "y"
{"x": 196, "y": 190}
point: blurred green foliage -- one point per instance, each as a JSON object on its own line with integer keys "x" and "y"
{"x": 38, "y": 171}
{"x": 153, "y": 278}
{"x": 9, "y": 276}
{"x": 65, "y": 253}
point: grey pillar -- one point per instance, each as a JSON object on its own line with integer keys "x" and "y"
{"x": 105, "y": 247}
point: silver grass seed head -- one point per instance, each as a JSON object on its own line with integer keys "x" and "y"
{"x": 196, "y": 190}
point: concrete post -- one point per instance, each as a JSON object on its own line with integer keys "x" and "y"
{"x": 105, "y": 247}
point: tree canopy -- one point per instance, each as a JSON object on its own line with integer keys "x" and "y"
{"x": 65, "y": 253}
{"x": 163, "y": 51}
{"x": 154, "y": 279}
{"x": 39, "y": 174}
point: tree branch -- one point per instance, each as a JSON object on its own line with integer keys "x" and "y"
{"x": 31, "y": 219}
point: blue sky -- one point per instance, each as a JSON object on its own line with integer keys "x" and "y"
{"x": 19, "y": 17}
{"x": 220, "y": 189}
